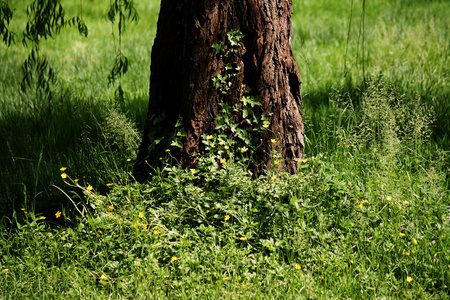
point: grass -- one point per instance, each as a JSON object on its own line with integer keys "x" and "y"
{"x": 367, "y": 216}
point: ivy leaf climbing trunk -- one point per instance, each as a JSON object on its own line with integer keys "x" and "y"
{"x": 209, "y": 52}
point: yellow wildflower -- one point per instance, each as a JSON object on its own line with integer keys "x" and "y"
{"x": 6, "y": 270}
{"x": 225, "y": 278}
{"x": 244, "y": 285}
{"x": 111, "y": 207}
{"x": 244, "y": 149}
{"x": 42, "y": 218}
{"x": 399, "y": 207}
{"x": 239, "y": 277}
{"x": 303, "y": 161}
{"x": 414, "y": 241}
{"x": 63, "y": 169}
{"x": 389, "y": 198}
{"x": 63, "y": 175}
{"x": 128, "y": 159}
{"x": 266, "y": 125}
{"x": 76, "y": 180}
{"x": 90, "y": 188}
{"x": 222, "y": 160}
{"x": 409, "y": 278}
{"x": 167, "y": 150}
{"x": 227, "y": 217}
{"x": 401, "y": 234}
{"x": 103, "y": 277}
{"x": 174, "y": 258}
{"x": 109, "y": 184}
{"x": 351, "y": 261}
{"x": 273, "y": 141}
{"x": 405, "y": 253}
{"x": 209, "y": 137}
{"x": 63, "y": 232}
{"x": 58, "y": 214}
{"x": 243, "y": 238}
{"x": 221, "y": 143}
{"x": 297, "y": 267}
{"x": 276, "y": 162}
{"x": 227, "y": 147}
{"x": 141, "y": 214}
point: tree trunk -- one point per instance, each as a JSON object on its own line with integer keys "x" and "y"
{"x": 183, "y": 61}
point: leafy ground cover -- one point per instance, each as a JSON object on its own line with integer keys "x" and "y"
{"x": 367, "y": 216}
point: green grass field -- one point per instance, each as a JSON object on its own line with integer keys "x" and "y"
{"x": 366, "y": 218}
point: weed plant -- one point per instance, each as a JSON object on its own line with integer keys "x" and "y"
{"x": 367, "y": 216}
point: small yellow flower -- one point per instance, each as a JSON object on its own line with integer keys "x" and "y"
{"x": 266, "y": 125}
{"x": 244, "y": 285}
{"x": 273, "y": 141}
{"x": 405, "y": 202}
{"x": 276, "y": 162}
{"x": 414, "y": 241}
{"x": 399, "y": 207}
{"x": 351, "y": 261}
{"x": 111, "y": 207}
{"x": 291, "y": 126}
{"x": 174, "y": 258}
{"x": 209, "y": 137}
{"x": 221, "y": 143}
{"x": 103, "y": 277}
{"x": 405, "y": 253}
{"x": 76, "y": 180}
{"x": 389, "y": 198}
{"x": 222, "y": 160}
{"x": 141, "y": 214}
{"x": 227, "y": 147}
{"x": 137, "y": 263}
{"x": 22, "y": 209}
{"x": 63, "y": 232}
{"x": 239, "y": 277}
{"x": 227, "y": 217}
{"x": 321, "y": 277}
{"x": 244, "y": 149}
{"x": 193, "y": 170}
{"x": 6, "y": 270}
{"x": 128, "y": 159}
{"x": 303, "y": 161}
{"x": 409, "y": 278}
{"x": 63, "y": 175}
{"x": 297, "y": 266}
{"x": 42, "y": 218}
{"x": 63, "y": 169}
{"x": 109, "y": 184}
{"x": 360, "y": 205}
{"x": 225, "y": 278}
{"x": 401, "y": 234}
{"x": 213, "y": 145}
{"x": 90, "y": 188}
{"x": 243, "y": 238}
{"x": 58, "y": 214}
{"x": 167, "y": 150}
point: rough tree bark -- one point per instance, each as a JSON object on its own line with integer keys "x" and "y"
{"x": 183, "y": 61}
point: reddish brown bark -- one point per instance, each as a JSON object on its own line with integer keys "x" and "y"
{"x": 183, "y": 62}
